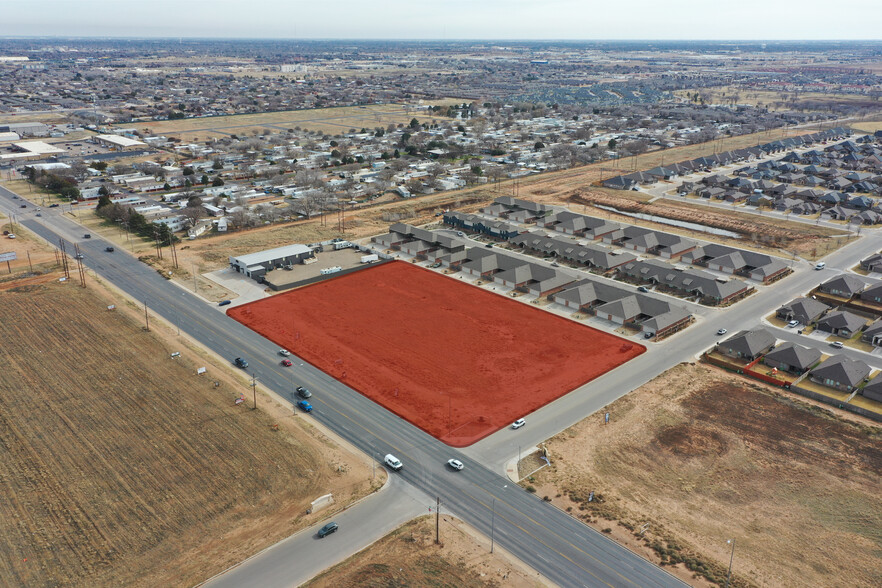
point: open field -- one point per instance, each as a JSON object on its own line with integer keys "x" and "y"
{"x": 25, "y": 245}
{"x": 329, "y": 120}
{"x": 121, "y": 467}
{"x": 457, "y": 361}
{"x": 408, "y": 556}
{"x": 775, "y": 100}
{"x": 868, "y": 126}
{"x": 702, "y": 457}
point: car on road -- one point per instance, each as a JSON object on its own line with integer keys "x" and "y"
{"x": 53, "y": 205}
{"x": 303, "y": 392}
{"x": 642, "y": 289}
{"x": 836, "y": 344}
{"x": 304, "y": 405}
{"x": 224, "y": 302}
{"x": 393, "y": 462}
{"x": 87, "y": 236}
{"x": 286, "y": 362}
{"x": 284, "y": 352}
{"x": 518, "y": 424}
{"x": 240, "y": 362}
{"x": 327, "y": 530}
{"x": 14, "y": 197}
{"x": 820, "y": 265}
{"x": 455, "y": 464}
{"x": 793, "y": 324}
{"x": 722, "y": 331}
{"x": 109, "y": 249}
{"x": 39, "y": 214}
{"x": 24, "y": 205}
{"x": 78, "y": 256}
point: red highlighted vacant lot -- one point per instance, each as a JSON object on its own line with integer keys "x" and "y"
{"x": 456, "y": 361}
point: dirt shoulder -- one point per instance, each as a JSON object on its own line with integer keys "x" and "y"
{"x": 408, "y": 556}
{"x": 696, "y": 457}
{"x": 122, "y": 466}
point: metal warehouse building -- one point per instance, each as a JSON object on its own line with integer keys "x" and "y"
{"x": 255, "y": 265}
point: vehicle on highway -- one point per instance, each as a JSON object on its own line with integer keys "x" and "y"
{"x": 109, "y": 249}
{"x": 39, "y": 214}
{"x": 327, "y": 530}
{"x": 303, "y": 392}
{"x": 284, "y": 352}
{"x": 455, "y": 464}
{"x": 24, "y": 205}
{"x": 87, "y": 236}
{"x": 393, "y": 462}
{"x": 286, "y": 362}
{"x": 224, "y": 302}
{"x": 240, "y": 362}
{"x": 518, "y": 424}
{"x": 793, "y": 324}
{"x": 15, "y": 197}
{"x": 304, "y": 405}
{"x": 722, "y": 331}
{"x": 78, "y": 256}
{"x": 836, "y": 344}
{"x": 53, "y": 205}
{"x": 820, "y": 265}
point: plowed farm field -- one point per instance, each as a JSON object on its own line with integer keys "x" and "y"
{"x": 457, "y": 361}
{"x": 119, "y": 466}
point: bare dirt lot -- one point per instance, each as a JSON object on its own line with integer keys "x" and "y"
{"x": 408, "y": 556}
{"x": 701, "y": 457}
{"x": 122, "y": 467}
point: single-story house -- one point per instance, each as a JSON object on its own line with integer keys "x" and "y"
{"x": 843, "y": 285}
{"x": 747, "y": 345}
{"x": 804, "y": 310}
{"x": 793, "y": 358}
{"x": 841, "y": 323}
{"x": 841, "y": 373}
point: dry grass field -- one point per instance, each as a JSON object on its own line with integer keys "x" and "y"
{"x": 775, "y": 100}
{"x": 408, "y": 556}
{"x": 701, "y": 456}
{"x": 868, "y": 126}
{"x": 327, "y": 120}
{"x": 121, "y": 467}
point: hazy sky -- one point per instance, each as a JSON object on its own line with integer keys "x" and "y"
{"x": 446, "y": 19}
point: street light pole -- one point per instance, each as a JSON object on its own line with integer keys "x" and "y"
{"x": 731, "y": 558}
{"x": 254, "y": 389}
{"x": 492, "y": 524}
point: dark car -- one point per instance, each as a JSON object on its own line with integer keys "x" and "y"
{"x": 24, "y": 205}
{"x": 109, "y": 249}
{"x": 327, "y": 530}
{"x": 224, "y": 302}
{"x": 240, "y": 362}
{"x": 303, "y": 392}
{"x": 53, "y": 205}
{"x": 642, "y": 289}
{"x": 87, "y": 236}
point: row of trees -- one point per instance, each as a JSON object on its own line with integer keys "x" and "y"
{"x": 133, "y": 221}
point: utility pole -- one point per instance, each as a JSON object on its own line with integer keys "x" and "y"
{"x": 437, "y": 521}
{"x": 146, "y": 317}
{"x": 254, "y": 389}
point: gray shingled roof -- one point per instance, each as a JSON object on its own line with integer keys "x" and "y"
{"x": 794, "y": 355}
{"x": 843, "y": 370}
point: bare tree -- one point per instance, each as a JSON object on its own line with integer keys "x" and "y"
{"x": 193, "y": 213}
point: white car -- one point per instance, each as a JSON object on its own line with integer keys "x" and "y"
{"x": 518, "y": 424}
{"x": 284, "y": 352}
{"x": 455, "y": 464}
{"x": 393, "y": 462}
{"x": 793, "y": 324}
{"x": 722, "y": 332}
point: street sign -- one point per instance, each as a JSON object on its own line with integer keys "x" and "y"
{"x": 8, "y": 256}
{"x": 606, "y": 418}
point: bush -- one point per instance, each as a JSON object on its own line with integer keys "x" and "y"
{"x": 607, "y": 530}
{"x": 531, "y": 489}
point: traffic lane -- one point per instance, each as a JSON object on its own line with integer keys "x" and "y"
{"x": 300, "y": 557}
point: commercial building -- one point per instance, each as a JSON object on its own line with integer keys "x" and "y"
{"x": 255, "y": 265}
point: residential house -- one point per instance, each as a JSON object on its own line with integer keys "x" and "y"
{"x": 804, "y": 310}
{"x": 747, "y": 345}
{"x": 841, "y": 323}
{"x": 843, "y": 285}
{"x": 841, "y": 373}
{"x": 873, "y": 390}
{"x": 793, "y": 358}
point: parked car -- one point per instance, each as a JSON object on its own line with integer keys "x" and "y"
{"x": 642, "y": 289}
{"x": 649, "y": 334}
{"x": 224, "y": 302}
{"x": 240, "y": 362}
{"x": 393, "y": 462}
{"x": 53, "y": 205}
{"x": 455, "y": 464}
{"x": 518, "y": 424}
{"x": 327, "y": 530}
{"x": 304, "y": 405}
{"x": 11, "y": 235}
{"x": 836, "y": 344}
{"x": 722, "y": 331}
{"x": 284, "y": 352}
{"x": 793, "y": 324}
{"x": 303, "y": 392}
{"x": 286, "y": 362}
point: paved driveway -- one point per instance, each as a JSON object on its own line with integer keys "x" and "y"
{"x": 247, "y": 289}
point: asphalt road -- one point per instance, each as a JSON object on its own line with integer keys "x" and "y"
{"x": 556, "y": 545}
{"x": 559, "y": 547}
